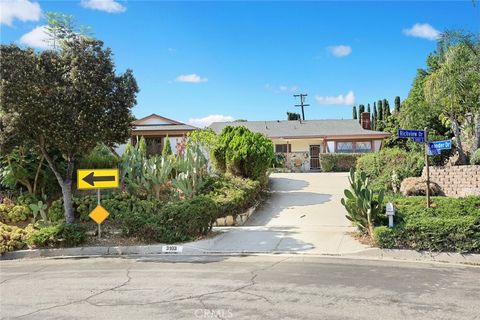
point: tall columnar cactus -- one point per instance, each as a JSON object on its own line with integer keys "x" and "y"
{"x": 361, "y": 204}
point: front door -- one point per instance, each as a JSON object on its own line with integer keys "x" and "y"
{"x": 314, "y": 157}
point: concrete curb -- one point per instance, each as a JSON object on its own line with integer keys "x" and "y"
{"x": 201, "y": 248}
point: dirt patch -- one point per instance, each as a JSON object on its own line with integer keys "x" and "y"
{"x": 363, "y": 238}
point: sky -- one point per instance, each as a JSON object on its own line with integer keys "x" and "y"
{"x": 199, "y": 62}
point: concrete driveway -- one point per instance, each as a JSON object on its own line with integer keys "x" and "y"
{"x": 304, "y": 213}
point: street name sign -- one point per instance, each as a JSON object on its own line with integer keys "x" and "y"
{"x": 415, "y": 135}
{"x": 436, "y": 147}
{"x": 97, "y": 178}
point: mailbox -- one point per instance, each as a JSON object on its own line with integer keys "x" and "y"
{"x": 390, "y": 210}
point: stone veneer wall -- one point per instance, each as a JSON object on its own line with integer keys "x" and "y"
{"x": 456, "y": 181}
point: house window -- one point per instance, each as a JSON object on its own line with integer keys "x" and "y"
{"x": 282, "y": 148}
{"x": 344, "y": 146}
{"x": 363, "y": 146}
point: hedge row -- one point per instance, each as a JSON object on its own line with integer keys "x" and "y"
{"x": 338, "y": 162}
{"x": 449, "y": 225}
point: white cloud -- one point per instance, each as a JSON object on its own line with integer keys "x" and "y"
{"x": 285, "y": 88}
{"x": 422, "y": 30}
{"x": 208, "y": 120}
{"x": 280, "y": 88}
{"x": 191, "y": 78}
{"x": 348, "y": 99}
{"x": 110, "y": 6}
{"x": 340, "y": 50}
{"x": 23, "y": 10}
{"x": 37, "y": 38}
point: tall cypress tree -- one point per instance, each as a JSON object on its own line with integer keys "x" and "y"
{"x": 368, "y": 108}
{"x": 354, "y": 112}
{"x": 397, "y": 104}
{"x": 380, "y": 115}
{"x": 361, "y": 109}
{"x": 386, "y": 109}
{"x": 374, "y": 117}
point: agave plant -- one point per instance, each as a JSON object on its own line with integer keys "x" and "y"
{"x": 361, "y": 204}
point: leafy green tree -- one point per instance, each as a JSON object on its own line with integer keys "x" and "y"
{"x": 455, "y": 87}
{"x": 354, "y": 113}
{"x": 66, "y": 101}
{"x": 293, "y": 116}
{"x": 167, "y": 148}
{"x": 368, "y": 108}
{"x": 397, "y": 104}
{"x": 374, "y": 117}
{"x": 416, "y": 112}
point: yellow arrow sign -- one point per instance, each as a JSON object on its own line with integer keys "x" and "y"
{"x": 99, "y": 214}
{"x": 97, "y": 178}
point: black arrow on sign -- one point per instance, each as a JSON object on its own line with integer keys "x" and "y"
{"x": 91, "y": 179}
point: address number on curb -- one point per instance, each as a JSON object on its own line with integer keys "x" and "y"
{"x": 172, "y": 249}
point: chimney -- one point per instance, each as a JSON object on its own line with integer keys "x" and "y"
{"x": 365, "y": 121}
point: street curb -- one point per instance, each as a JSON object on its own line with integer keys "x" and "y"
{"x": 201, "y": 248}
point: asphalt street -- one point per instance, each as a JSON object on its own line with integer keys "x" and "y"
{"x": 236, "y": 287}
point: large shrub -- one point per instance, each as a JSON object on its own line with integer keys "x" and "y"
{"x": 475, "y": 158}
{"x": 13, "y": 238}
{"x": 338, "y": 162}
{"x": 57, "y": 235}
{"x": 449, "y": 225}
{"x": 177, "y": 221}
{"x": 10, "y": 212}
{"x": 243, "y": 153}
{"x": 390, "y": 166}
{"x": 232, "y": 195}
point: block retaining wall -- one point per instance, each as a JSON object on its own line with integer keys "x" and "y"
{"x": 456, "y": 181}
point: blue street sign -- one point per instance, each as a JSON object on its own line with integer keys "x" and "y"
{"x": 415, "y": 135}
{"x": 436, "y": 147}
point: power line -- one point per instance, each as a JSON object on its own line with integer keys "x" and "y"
{"x": 302, "y": 103}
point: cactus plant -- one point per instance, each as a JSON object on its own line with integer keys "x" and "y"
{"x": 362, "y": 205}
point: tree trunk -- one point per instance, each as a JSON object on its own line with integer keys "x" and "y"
{"x": 462, "y": 157}
{"x": 65, "y": 184}
{"x": 67, "y": 201}
{"x": 477, "y": 131}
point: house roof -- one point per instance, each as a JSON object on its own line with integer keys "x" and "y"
{"x": 304, "y": 129}
{"x": 163, "y": 127}
{"x": 155, "y": 116}
{"x": 154, "y": 123}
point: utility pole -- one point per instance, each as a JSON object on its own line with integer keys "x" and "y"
{"x": 302, "y": 103}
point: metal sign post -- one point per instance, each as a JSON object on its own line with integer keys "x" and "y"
{"x": 427, "y": 191}
{"x": 98, "y": 179}
{"x": 99, "y": 224}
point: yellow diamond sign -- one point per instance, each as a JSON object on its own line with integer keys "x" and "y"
{"x": 99, "y": 214}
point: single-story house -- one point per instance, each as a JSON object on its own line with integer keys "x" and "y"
{"x": 155, "y": 129}
{"x": 302, "y": 141}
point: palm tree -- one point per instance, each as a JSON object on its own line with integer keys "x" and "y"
{"x": 454, "y": 87}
